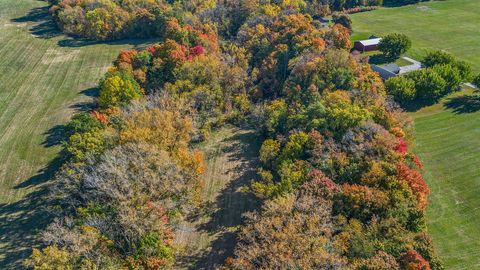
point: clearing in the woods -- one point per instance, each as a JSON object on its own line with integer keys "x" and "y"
{"x": 231, "y": 156}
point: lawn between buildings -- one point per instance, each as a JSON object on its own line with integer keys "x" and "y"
{"x": 44, "y": 78}
{"x": 452, "y": 25}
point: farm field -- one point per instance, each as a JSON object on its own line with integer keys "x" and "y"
{"x": 452, "y": 25}
{"x": 44, "y": 78}
{"x": 447, "y": 141}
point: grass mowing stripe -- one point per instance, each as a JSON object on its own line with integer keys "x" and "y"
{"x": 448, "y": 144}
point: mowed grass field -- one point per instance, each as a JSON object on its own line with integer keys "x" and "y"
{"x": 451, "y": 25}
{"x": 448, "y": 142}
{"x": 44, "y": 78}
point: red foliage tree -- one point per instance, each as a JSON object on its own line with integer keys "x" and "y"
{"x": 412, "y": 260}
{"x": 103, "y": 118}
{"x": 320, "y": 185}
{"x": 196, "y": 51}
{"x": 415, "y": 181}
{"x": 402, "y": 147}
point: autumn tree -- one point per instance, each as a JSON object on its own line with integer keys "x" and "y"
{"x": 299, "y": 228}
{"x": 118, "y": 89}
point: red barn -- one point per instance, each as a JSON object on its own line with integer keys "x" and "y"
{"x": 367, "y": 45}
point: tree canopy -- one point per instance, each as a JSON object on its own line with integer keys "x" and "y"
{"x": 340, "y": 185}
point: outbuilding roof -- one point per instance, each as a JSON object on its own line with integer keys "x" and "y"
{"x": 387, "y": 71}
{"x": 369, "y": 42}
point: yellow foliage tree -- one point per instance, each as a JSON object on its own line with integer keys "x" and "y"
{"x": 118, "y": 89}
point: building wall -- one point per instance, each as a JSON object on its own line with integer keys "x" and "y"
{"x": 371, "y": 48}
{"x": 359, "y": 47}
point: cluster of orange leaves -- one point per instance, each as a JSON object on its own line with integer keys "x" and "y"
{"x": 415, "y": 181}
{"x": 101, "y": 117}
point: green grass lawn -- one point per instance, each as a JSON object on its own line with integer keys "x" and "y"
{"x": 448, "y": 142}
{"x": 451, "y": 25}
{"x": 44, "y": 78}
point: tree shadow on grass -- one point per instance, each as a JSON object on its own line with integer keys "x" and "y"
{"x": 54, "y": 136}
{"x": 464, "y": 104}
{"x": 416, "y": 105}
{"x": 231, "y": 203}
{"x": 57, "y": 134}
{"x": 86, "y": 106}
{"x": 44, "y": 26}
{"x": 379, "y": 59}
{"x": 73, "y": 42}
{"x": 22, "y": 221}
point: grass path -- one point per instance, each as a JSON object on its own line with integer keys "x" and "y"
{"x": 231, "y": 156}
{"x": 448, "y": 142}
{"x": 44, "y": 78}
{"x": 451, "y": 25}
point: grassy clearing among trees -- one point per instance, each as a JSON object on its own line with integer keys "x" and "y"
{"x": 446, "y": 25}
{"x": 231, "y": 157}
{"x": 447, "y": 142}
{"x": 44, "y": 78}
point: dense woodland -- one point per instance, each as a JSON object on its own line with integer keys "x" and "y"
{"x": 117, "y": 19}
{"x": 340, "y": 186}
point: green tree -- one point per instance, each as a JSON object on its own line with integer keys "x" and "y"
{"x": 394, "y": 45}
{"x": 402, "y": 88}
{"x": 429, "y": 84}
{"x": 451, "y": 75}
{"x": 438, "y": 57}
{"x": 81, "y": 123}
{"x": 269, "y": 151}
{"x": 82, "y": 145}
{"x": 50, "y": 258}
{"x": 343, "y": 19}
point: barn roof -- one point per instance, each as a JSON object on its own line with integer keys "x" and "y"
{"x": 369, "y": 42}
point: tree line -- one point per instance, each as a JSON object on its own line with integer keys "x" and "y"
{"x": 341, "y": 188}
{"x": 120, "y": 19}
